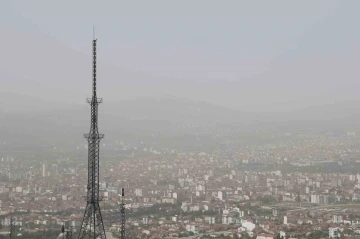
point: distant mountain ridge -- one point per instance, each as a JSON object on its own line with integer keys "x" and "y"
{"x": 28, "y": 121}
{"x": 172, "y": 110}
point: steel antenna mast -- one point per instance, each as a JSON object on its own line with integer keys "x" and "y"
{"x": 92, "y": 226}
{"x": 122, "y": 213}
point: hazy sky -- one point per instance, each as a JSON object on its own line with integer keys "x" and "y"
{"x": 250, "y": 55}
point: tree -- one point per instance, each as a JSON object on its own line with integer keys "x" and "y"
{"x": 267, "y": 199}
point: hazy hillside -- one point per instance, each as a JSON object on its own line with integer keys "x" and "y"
{"x": 38, "y": 120}
{"x": 27, "y": 120}
{"x": 167, "y": 111}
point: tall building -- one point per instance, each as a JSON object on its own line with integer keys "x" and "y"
{"x": 44, "y": 170}
{"x": 324, "y": 199}
{"x": 138, "y": 192}
{"x": 314, "y": 198}
{"x": 275, "y": 212}
{"x": 55, "y": 169}
{"x": 334, "y": 233}
{"x": 222, "y": 195}
{"x": 337, "y": 219}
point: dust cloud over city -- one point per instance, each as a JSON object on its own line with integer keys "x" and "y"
{"x": 222, "y": 119}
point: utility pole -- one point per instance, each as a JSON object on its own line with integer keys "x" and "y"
{"x": 69, "y": 233}
{"x": 63, "y": 230}
{"x": 11, "y": 228}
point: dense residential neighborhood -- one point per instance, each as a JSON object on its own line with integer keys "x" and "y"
{"x": 288, "y": 188}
